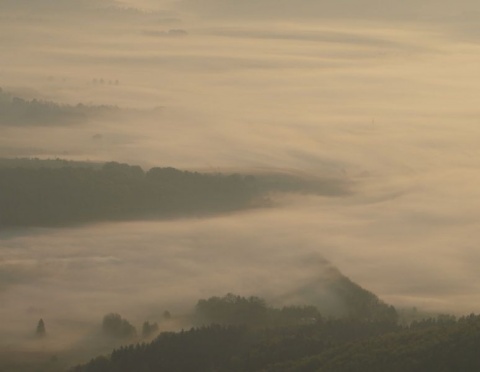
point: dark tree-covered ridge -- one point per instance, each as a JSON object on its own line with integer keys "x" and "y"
{"x": 433, "y": 345}
{"x": 70, "y": 195}
{"x": 56, "y": 192}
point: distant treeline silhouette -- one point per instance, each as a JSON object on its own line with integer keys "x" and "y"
{"x": 17, "y": 111}
{"x": 69, "y": 195}
{"x": 243, "y": 334}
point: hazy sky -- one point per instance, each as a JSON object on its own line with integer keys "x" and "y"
{"x": 384, "y": 95}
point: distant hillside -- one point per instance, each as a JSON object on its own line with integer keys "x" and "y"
{"x": 244, "y": 334}
{"x": 55, "y": 196}
{"x": 334, "y": 294}
{"x": 36, "y": 163}
{"x": 326, "y": 346}
{"x": 56, "y": 192}
{"x": 441, "y": 345}
{"x": 17, "y": 111}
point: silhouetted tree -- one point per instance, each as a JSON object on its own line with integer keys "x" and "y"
{"x": 149, "y": 330}
{"x": 115, "y": 326}
{"x": 40, "y": 331}
{"x": 167, "y": 315}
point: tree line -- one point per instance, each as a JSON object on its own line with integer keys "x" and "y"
{"x": 244, "y": 334}
{"x": 17, "y": 111}
{"x": 69, "y": 195}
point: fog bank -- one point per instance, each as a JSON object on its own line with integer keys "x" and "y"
{"x": 386, "y": 100}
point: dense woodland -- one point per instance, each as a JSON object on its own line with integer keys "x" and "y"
{"x": 250, "y": 336}
{"x": 56, "y": 192}
{"x": 55, "y": 196}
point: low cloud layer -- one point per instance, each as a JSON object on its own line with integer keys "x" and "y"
{"x": 390, "y": 106}
{"x": 406, "y": 248}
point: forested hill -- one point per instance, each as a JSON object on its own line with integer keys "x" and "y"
{"x": 56, "y": 192}
{"x": 53, "y": 196}
{"x": 342, "y": 345}
{"x": 432, "y": 345}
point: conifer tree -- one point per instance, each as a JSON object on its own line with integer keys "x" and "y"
{"x": 41, "y": 332}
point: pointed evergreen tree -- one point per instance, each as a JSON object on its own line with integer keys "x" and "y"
{"x": 41, "y": 332}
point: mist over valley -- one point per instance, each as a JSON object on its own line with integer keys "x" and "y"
{"x": 157, "y": 153}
